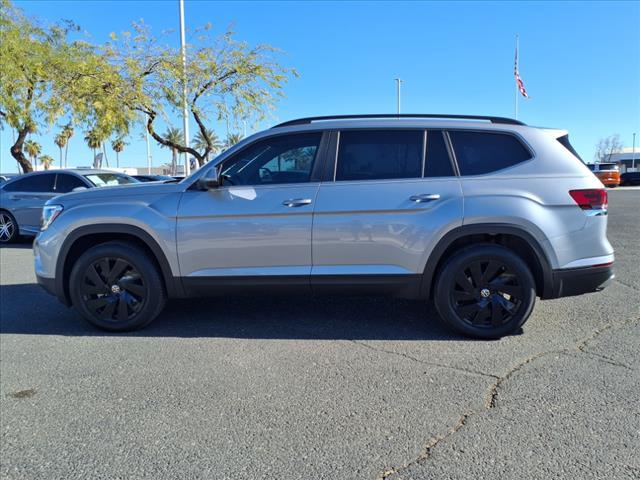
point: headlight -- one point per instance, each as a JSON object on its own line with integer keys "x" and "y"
{"x": 49, "y": 214}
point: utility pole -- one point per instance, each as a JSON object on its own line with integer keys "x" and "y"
{"x": 398, "y": 84}
{"x": 185, "y": 113}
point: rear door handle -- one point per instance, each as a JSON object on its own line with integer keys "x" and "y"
{"x": 297, "y": 202}
{"x": 424, "y": 197}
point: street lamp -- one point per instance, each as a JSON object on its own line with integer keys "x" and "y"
{"x": 399, "y": 83}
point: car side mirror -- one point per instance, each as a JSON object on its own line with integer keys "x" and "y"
{"x": 209, "y": 182}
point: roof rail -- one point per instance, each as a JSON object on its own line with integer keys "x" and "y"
{"x": 303, "y": 121}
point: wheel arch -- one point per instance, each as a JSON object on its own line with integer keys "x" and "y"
{"x": 82, "y": 238}
{"x": 513, "y": 237}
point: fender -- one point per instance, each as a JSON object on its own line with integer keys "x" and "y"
{"x": 486, "y": 229}
{"x": 172, "y": 284}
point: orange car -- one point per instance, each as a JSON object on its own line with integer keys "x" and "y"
{"x": 607, "y": 173}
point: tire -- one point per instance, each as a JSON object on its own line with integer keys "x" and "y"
{"x": 8, "y": 228}
{"x": 485, "y": 291}
{"x": 116, "y": 286}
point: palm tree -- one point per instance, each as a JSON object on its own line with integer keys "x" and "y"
{"x": 93, "y": 142}
{"x": 174, "y": 135}
{"x": 118, "y": 146}
{"x": 199, "y": 142}
{"x": 61, "y": 142}
{"x": 46, "y": 161}
{"x": 67, "y": 131}
{"x": 232, "y": 139}
{"x": 33, "y": 149}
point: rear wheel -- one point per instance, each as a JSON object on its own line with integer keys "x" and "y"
{"x": 8, "y": 227}
{"x": 485, "y": 291}
{"x": 117, "y": 287}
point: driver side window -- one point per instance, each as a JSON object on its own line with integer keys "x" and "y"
{"x": 275, "y": 160}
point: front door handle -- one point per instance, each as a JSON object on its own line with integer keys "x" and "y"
{"x": 424, "y": 197}
{"x": 297, "y": 202}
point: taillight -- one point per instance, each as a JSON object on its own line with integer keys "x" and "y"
{"x": 590, "y": 199}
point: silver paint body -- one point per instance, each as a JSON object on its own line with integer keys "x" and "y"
{"x": 346, "y": 227}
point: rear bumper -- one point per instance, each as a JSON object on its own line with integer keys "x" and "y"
{"x": 576, "y": 281}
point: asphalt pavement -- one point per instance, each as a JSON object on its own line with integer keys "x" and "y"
{"x": 303, "y": 388}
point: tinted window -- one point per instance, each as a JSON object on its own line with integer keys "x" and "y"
{"x": 33, "y": 183}
{"x": 377, "y": 154}
{"x": 607, "y": 167}
{"x": 281, "y": 159}
{"x": 484, "y": 152}
{"x": 109, "y": 179}
{"x": 591, "y": 166}
{"x": 438, "y": 163}
{"x": 65, "y": 183}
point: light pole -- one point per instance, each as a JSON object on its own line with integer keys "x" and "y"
{"x": 633, "y": 153}
{"x": 185, "y": 113}
{"x": 398, "y": 84}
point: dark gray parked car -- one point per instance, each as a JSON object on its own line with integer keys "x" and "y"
{"x": 22, "y": 198}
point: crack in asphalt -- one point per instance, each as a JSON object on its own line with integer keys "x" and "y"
{"x": 493, "y": 392}
{"x": 626, "y": 285}
{"x": 417, "y": 360}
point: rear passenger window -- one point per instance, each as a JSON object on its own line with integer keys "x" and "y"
{"x": 485, "y": 152}
{"x": 33, "y": 183}
{"x": 379, "y": 154}
{"x": 438, "y": 163}
{"x": 66, "y": 183}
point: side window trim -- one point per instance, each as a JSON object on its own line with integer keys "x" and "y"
{"x": 424, "y": 151}
{"x": 452, "y": 153}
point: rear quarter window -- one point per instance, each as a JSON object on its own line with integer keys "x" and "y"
{"x": 478, "y": 153}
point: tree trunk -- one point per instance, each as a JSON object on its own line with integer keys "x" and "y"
{"x": 66, "y": 150}
{"x": 18, "y": 154}
{"x": 174, "y": 161}
{"x": 95, "y": 162}
{"x": 60, "y": 156}
{"x": 117, "y": 159}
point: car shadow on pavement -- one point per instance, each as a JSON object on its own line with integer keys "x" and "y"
{"x": 22, "y": 243}
{"x": 27, "y": 310}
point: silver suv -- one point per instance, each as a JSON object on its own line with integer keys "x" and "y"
{"x": 480, "y": 214}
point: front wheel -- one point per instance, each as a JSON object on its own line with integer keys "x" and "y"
{"x": 116, "y": 286}
{"x": 485, "y": 291}
{"x": 8, "y": 228}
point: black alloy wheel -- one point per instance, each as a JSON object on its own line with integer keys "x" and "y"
{"x": 485, "y": 291}
{"x": 113, "y": 289}
{"x": 117, "y": 286}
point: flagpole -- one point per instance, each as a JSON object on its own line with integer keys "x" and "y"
{"x": 516, "y": 85}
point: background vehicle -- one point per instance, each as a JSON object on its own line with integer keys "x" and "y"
{"x": 22, "y": 198}
{"x": 481, "y": 214}
{"x": 153, "y": 178}
{"x": 630, "y": 178}
{"x": 607, "y": 173}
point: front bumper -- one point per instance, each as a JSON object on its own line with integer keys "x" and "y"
{"x": 576, "y": 281}
{"x": 49, "y": 284}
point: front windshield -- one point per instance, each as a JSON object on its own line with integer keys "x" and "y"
{"x": 109, "y": 179}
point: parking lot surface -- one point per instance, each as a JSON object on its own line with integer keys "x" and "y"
{"x": 303, "y": 388}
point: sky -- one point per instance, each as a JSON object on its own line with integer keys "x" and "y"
{"x": 580, "y": 61}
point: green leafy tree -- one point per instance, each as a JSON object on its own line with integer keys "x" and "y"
{"x": 46, "y": 77}
{"x": 200, "y": 143}
{"x": 94, "y": 141}
{"x": 232, "y": 139}
{"x": 33, "y": 149}
{"x": 174, "y": 137}
{"x": 118, "y": 146}
{"x": 61, "y": 142}
{"x": 223, "y": 76}
{"x": 46, "y": 161}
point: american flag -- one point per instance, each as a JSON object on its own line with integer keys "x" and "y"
{"x": 519, "y": 81}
